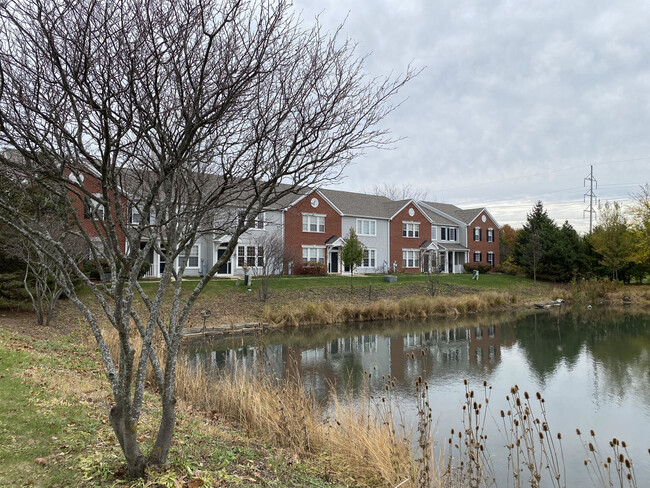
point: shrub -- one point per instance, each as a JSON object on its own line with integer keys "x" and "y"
{"x": 93, "y": 271}
{"x": 311, "y": 268}
{"x": 482, "y": 268}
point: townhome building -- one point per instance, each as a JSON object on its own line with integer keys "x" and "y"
{"x": 311, "y": 226}
{"x": 479, "y": 229}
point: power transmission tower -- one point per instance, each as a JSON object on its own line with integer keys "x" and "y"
{"x": 590, "y": 210}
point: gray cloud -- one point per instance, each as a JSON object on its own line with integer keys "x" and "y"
{"x": 517, "y": 98}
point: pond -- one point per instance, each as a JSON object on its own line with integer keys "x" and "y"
{"x": 592, "y": 367}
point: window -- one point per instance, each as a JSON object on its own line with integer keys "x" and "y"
{"x": 448, "y": 234}
{"x": 316, "y": 254}
{"x": 369, "y": 258}
{"x": 490, "y": 235}
{"x": 93, "y": 209}
{"x": 366, "y": 227}
{"x": 477, "y": 233}
{"x": 259, "y": 221}
{"x": 250, "y": 256}
{"x": 434, "y": 233}
{"x": 411, "y": 229}
{"x": 477, "y": 256}
{"x": 490, "y": 258}
{"x": 135, "y": 215}
{"x": 313, "y": 223}
{"x": 411, "y": 258}
{"x": 191, "y": 259}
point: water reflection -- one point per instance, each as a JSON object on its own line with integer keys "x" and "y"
{"x": 593, "y": 367}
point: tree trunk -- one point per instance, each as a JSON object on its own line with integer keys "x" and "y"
{"x": 158, "y": 455}
{"x": 135, "y": 460}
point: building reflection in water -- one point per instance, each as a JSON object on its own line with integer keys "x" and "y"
{"x": 344, "y": 361}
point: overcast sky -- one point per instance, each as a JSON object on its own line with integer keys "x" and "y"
{"x": 516, "y": 101}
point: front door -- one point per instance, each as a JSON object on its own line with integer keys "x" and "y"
{"x": 334, "y": 262}
{"x": 225, "y": 268}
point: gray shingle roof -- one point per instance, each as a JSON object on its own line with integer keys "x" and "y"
{"x": 464, "y": 215}
{"x": 437, "y": 218}
{"x": 363, "y": 205}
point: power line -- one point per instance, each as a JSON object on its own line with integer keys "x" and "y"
{"x": 591, "y": 196}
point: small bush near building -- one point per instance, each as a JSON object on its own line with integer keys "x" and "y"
{"x": 311, "y": 268}
{"x": 482, "y": 268}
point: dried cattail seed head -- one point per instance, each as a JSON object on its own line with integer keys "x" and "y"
{"x": 593, "y": 434}
{"x": 578, "y": 431}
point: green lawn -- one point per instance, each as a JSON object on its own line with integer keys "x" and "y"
{"x": 499, "y": 282}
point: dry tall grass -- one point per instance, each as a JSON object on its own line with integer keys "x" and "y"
{"x": 357, "y": 437}
{"x": 311, "y": 313}
{"x": 353, "y": 436}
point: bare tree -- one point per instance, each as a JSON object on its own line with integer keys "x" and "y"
{"x": 405, "y": 191}
{"x": 192, "y": 116}
{"x": 42, "y": 277}
{"x": 270, "y": 261}
{"x": 431, "y": 265}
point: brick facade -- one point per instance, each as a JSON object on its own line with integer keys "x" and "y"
{"x": 294, "y": 236}
{"x": 93, "y": 185}
{"x": 398, "y": 243}
{"x": 482, "y": 245}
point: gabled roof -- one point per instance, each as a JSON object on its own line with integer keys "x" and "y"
{"x": 437, "y": 217}
{"x": 335, "y": 241}
{"x": 362, "y": 204}
{"x": 465, "y": 216}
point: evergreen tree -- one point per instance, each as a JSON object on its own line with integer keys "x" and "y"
{"x": 533, "y": 242}
{"x": 547, "y": 251}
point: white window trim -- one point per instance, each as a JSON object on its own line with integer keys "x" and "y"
{"x": 371, "y": 264}
{"x": 490, "y": 254}
{"x": 316, "y": 216}
{"x": 489, "y": 235}
{"x": 416, "y": 264}
{"x": 198, "y": 258}
{"x": 434, "y": 232}
{"x": 359, "y": 226}
{"x": 447, "y": 239}
{"x": 416, "y": 226}
{"x": 480, "y": 256}
{"x": 477, "y": 234}
{"x": 307, "y": 248}
{"x": 260, "y": 219}
{"x": 246, "y": 256}
{"x": 95, "y": 207}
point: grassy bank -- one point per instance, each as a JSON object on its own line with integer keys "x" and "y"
{"x": 54, "y": 403}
